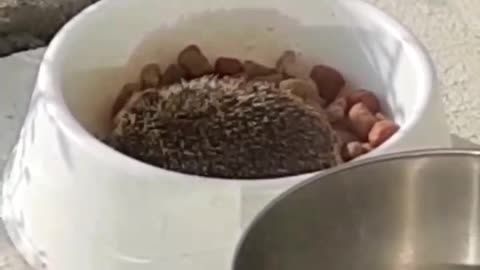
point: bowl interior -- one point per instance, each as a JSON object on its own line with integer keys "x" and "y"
{"x": 105, "y": 47}
{"x": 412, "y": 209}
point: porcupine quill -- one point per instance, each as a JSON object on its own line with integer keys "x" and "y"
{"x": 227, "y": 128}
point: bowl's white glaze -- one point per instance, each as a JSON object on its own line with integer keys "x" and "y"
{"x": 71, "y": 202}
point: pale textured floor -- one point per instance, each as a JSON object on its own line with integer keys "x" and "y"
{"x": 451, "y": 31}
{"x": 449, "y": 28}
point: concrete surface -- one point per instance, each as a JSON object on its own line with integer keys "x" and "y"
{"x": 451, "y": 31}
{"x": 28, "y": 24}
{"x": 449, "y": 28}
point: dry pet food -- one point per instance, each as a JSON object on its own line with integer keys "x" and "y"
{"x": 382, "y": 131}
{"x": 361, "y": 120}
{"x": 328, "y": 80}
{"x": 354, "y": 149}
{"x": 367, "y": 98}
{"x": 243, "y": 119}
{"x": 173, "y": 74}
{"x": 194, "y": 62}
{"x": 291, "y": 67}
{"x": 225, "y": 66}
{"x": 151, "y": 76}
{"x": 254, "y": 70}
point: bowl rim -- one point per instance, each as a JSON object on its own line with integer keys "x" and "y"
{"x": 436, "y": 152}
{"x": 78, "y": 134}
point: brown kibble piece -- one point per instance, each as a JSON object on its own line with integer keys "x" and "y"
{"x": 336, "y": 110}
{"x": 225, "y": 66}
{"x": 274, "y": 78}
{"x": 287, "y": 58}
{"x": 253, "y": 69}
{"x": 304, "y": 89}
{"x": 353, "y": 150}
{"x": 240, "y": 75}
{"x": 289, "y": 65}
{"x": 151, "y": 76}
{"x": 173, "y": 74}
{"x": 316, "y": 102}
{"x": 345, "y": 92}
{"x": 345, "y": 136}
{"x": 343, "y": 124}
{"x": 367, "y": 147}
{"x": 195, "y": 64}
{"x": 381, "y": 132}
{"x": 381, "y": 116}
{"x": 367, "y": 98}
{"x": 329, "y": 81}
{"x": 301, "y": 88}
{"x": 361, "y": 120}
{"x": 127, "y": 91}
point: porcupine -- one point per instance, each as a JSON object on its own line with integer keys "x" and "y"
{"x": 227, "y": 128}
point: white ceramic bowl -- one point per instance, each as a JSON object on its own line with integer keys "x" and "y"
{"x": 71, "y": 202}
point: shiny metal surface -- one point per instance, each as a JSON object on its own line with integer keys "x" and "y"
{"x": 417, "y": 208}
{"x": 441, "y": 267}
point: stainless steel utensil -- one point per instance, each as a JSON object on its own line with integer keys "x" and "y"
{"x": 416, "y": 210}
{"x": 439, "y": 267}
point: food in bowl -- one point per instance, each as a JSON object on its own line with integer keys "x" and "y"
{"x": 244, "y": 120}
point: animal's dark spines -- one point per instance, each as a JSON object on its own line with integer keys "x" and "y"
{"x": 227, "y": 128}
